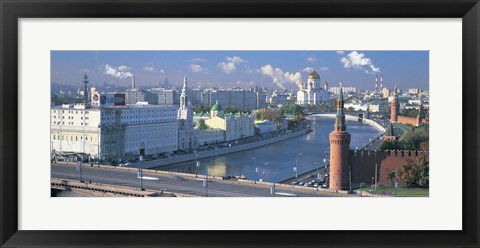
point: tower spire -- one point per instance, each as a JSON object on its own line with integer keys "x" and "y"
{"x": 165, "y": 82}
{"x": 184, "y": 94}
{"x": 340, "y": 117}
{"x": 85, "y": 92}
{"x": 134, "y": 86}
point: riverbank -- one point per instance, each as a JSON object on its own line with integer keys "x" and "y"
{"x": 221, "y": 151}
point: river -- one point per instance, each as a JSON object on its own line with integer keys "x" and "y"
{"x": 278, "y": 159}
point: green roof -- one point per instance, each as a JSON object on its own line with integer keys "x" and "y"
{"x": 389, "y": 131}
{"x": 217, "y": 106}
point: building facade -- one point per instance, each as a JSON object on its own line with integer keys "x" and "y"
{"x": 236, "y": 126}
{"x": 114, "y": 132}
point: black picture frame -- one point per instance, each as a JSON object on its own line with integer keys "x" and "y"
{"x": 11, "y": 11}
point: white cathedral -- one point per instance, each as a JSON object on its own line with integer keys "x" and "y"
{"x": 313, "y": 93}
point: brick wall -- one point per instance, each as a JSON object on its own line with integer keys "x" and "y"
{"x": 363, "y": 164}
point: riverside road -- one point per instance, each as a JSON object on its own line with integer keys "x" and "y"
{"x": 178, "y": 184}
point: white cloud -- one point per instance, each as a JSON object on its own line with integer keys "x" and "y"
{"x": 162, "y": 71}
{"x": 235, "y": 60}
{"x": 359, "y": 61}
{"x": 116, "y": 72}
{"x": 227, "y": 67}
{"x": 149, "y": 68}
{"x": 279, "y": 77}
{"x": 123, "y": 68}
{"x": 312, "y": 59}
{"x": 198, "y": 60}
{"x": 340, "y": 52}
{"x": 308, "y": 69}
{"x": 230, "y": 65}
{"x": 198, "y": 68}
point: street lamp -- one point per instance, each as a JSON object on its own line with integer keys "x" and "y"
{"x": 79, "y": 169}
{"x": 361, "y": 186}
{"x": 205, "y": 182}
{"x": 256, "y": 169}
{"x": 273, "y": 188}
{"x": 197, "y": 164}
{"x": 296, "y": 165}
{"x": 395, "y": 184}
{"x": 263, "y": 172}
{"x": 140, "y": 172}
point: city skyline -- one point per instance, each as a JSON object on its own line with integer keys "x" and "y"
{"x": 226, "y": 69}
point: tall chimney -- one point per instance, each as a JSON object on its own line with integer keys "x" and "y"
{"x": 381, "y": 82}
{"x": 133, "y": 83}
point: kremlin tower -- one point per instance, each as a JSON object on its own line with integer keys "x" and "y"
{"x": 339, "y": 150}
{"x": 394, "y": 106}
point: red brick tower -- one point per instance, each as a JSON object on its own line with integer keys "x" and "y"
{"x": 339, "y": 149}
{"x": 394, "y": 106}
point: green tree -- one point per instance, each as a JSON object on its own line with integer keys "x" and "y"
{"x": 390, "y": 145}
{"x": 202, "y": 125}
{"x": 409, "y": 113}
{"x": 391, "y": 174}
{"x": 409, "y": 173}
{"x": 423, "y": 171}
{"x": 293, "y": 109}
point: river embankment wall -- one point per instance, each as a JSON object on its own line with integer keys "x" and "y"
{"x": 370, "y": 122}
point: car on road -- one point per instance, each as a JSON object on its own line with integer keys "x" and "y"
{"x": 294, "y": 182}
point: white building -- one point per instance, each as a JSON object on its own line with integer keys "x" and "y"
{"x": 313, "y": 93}
{"x": 245, "y": 99}
{"x": 113, "y": 132}
{"x": 265, "y": 127}
{"x": 209, "y": 136}
{"x": 345, "y": 90}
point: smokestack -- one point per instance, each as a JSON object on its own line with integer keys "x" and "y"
{"x": 133, "y": 83}
{"x": 381, "y": 83}
{"x": 376, "y": 82}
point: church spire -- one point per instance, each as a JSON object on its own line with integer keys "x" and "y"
{"x": 340, "y": 117}
{"x": 184, "y": 95}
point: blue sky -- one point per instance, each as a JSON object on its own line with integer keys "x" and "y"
{"x": 273, "y": 69}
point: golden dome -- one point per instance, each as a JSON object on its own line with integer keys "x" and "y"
{"x": 314, "y": 75}
{"x": 301, "y": 83}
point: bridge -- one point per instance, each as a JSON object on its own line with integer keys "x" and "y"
{"x": 121, "y": 181}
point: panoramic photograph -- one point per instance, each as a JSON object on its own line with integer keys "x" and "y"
{"x": 240, "y": 123}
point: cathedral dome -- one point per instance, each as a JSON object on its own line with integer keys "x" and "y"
{"x": 314, "y": 75}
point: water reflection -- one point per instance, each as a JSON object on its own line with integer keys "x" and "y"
{"x": 280, "y": 156}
